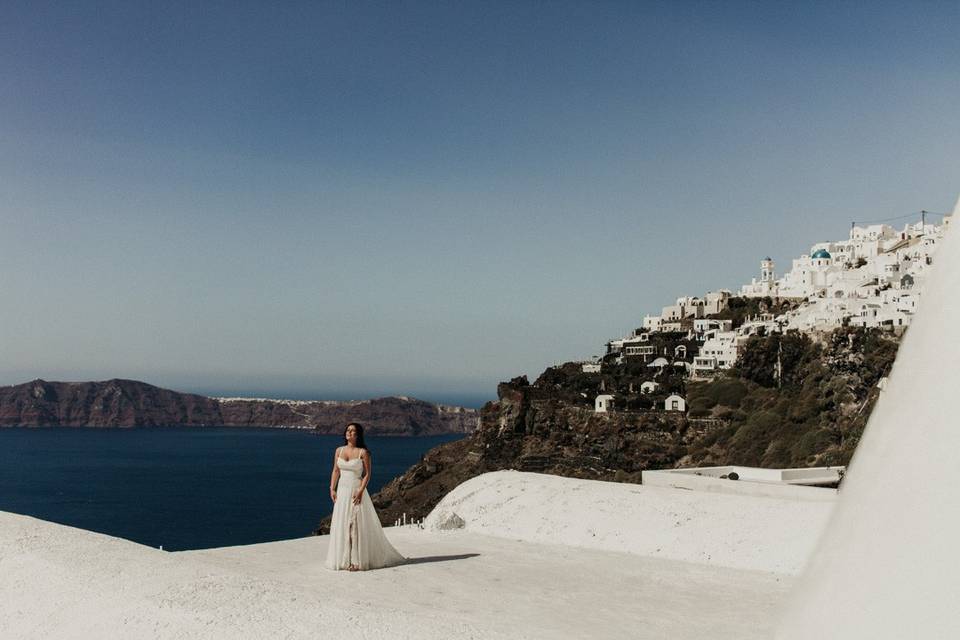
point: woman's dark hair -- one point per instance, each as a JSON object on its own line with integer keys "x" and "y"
{"x": 359, "y": 427}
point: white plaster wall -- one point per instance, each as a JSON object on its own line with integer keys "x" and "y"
{"x": 602, "y": 403}
{"x": 888, "y": 562}
{"x": 681, "y": 403}
{"x": 743, "y": 532}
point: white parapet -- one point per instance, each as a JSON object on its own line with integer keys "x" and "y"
{"x": 788, "y": 484}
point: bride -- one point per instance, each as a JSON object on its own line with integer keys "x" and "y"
{"x": 357, "y": 541}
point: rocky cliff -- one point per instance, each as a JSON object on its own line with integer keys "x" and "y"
{"x": 792, "y": 401}
{"x": 129, "y": 403}
{"x": 530, "y": 428}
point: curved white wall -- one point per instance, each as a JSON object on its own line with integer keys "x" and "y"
{"x": 888, "y": 565}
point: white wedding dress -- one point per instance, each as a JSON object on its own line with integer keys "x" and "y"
{"x": 356, "y": 537}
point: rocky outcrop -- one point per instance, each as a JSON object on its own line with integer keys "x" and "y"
{"x": 792, "y": 402}
{"x": 529, "y": 429}
{"x": 129, "y": 403}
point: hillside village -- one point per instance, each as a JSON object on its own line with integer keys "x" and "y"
{"x": 782, "y": 374}
{"x": 873, "y": 280}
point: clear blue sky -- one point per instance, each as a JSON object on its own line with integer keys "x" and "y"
{"x": 356, "y": 199}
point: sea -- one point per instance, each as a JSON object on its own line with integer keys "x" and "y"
{"x": 185, "y": 488}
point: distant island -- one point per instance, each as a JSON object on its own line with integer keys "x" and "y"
{"x": 131, "y": 403}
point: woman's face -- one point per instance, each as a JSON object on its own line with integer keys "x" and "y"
{"x": 351, "y": 435}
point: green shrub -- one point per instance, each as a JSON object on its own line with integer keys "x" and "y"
{"x": 753, "y": 438}
{"x": 725, "y": 413}
{"x": 759, "y": 358}
{"x": 729, "y": 392}
{"x": 812, "y": 443}
{"x": 702, "y": 404}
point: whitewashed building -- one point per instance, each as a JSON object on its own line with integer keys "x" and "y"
{"x": 603, "y": 403}
{"x": 652, "y": 323}
{"x": 766, "y": 285}
{"x": 702, "y": 326}
{"x": 719, "y": 351}
{"x": 674, "y": 403}
{"x": 850, "y": 281}
{"x": 874, "y": 278}
{"x": 716, "y": 301}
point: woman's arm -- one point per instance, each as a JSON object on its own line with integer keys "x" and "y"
{"x": 334, "y": 476}
{"x": 365, "y": 456}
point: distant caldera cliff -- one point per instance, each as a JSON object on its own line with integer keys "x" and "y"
{"x": 130, "y": 403}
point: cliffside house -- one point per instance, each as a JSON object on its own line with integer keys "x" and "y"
{"x": 675, "y": 403}
{"x": 702, "y": 326}
{"x": 603, "y": 403}
{"x": 645, "y": 350}
{"x": 659, "y": 363}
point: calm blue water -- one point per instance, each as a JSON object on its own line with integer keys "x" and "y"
{"x": 184, "y": 488}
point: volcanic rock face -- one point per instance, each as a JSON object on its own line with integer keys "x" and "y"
{"x": 128, "y": 403}
{"x": 811, "y": 415}
{"x": 111, "y": 403}
{"x": 530, "y": 429}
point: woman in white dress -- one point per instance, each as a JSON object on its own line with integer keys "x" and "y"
{"x": 357, "y": 541}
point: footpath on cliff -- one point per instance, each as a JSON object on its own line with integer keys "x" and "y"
{"x": 530, "y": 556}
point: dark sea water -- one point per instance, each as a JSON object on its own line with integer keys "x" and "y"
{"x": 185, "y": 488}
